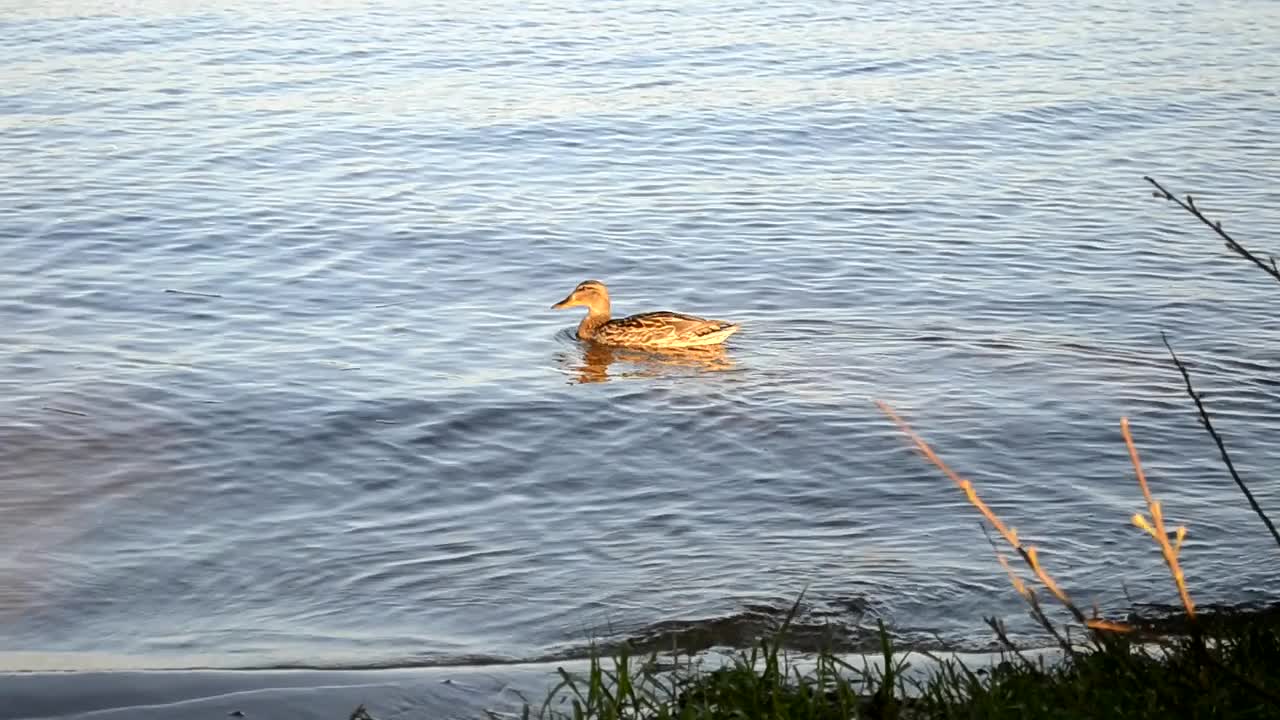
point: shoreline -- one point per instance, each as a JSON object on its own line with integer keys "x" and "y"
{"x": 121, "y": 688}
{"x": 107, "y": 695}
{"x": 461, "y": 691}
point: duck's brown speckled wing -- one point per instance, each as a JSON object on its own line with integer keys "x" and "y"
{"x": 664, "y": 329}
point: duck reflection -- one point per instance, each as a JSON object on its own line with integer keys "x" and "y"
{"x": 596, "y": 362}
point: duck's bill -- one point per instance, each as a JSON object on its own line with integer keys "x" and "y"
{"x": 563, "y": 303}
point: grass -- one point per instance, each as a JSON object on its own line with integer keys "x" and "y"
{"x": 1219, "y": 663}
{"x": 1192, "y": 662}
{"x": 1237, "y": 675}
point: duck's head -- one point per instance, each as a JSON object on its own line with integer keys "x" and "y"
{"x": 591, "y": 294}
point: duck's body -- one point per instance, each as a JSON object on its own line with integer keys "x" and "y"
{"x": 652, "y": 329}
{"x": 658, "y": 329}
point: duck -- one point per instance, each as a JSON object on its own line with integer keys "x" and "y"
{"x": 662, "y": 329}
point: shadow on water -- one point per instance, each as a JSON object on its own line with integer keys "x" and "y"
{"x": 590, "y": 362}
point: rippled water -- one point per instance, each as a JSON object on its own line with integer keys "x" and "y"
{"x": 280, "y": 384}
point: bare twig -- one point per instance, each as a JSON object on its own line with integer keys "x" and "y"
{"x": 1028, "y": 594}
{"x": 1269, "y": 265}
{"x": 1217, "y": 439}
{"x": 1027, "y": 552}
{"x": 1002, "y": 636}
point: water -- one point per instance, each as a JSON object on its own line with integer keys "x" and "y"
{"x": 280, "y": 385}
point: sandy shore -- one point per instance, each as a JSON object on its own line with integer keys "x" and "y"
{"x": 303, "y": 694}
{"x": 417, "y": 693}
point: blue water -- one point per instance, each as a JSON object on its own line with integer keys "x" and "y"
{"x": 279, "y": 384}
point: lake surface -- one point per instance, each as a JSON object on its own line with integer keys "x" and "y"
{"x": 280, "y": 384}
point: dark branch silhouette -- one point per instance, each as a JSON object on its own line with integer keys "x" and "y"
{"x": 1269, "y": 265}
{"x": 1222, "y": 447}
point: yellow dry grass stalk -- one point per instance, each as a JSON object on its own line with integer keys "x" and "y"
{"x": 1014, "y": 578}
{"x": 1155, "y": 525}
{"x": 1009, "y": 534}
{"x": 1108, "y": 625}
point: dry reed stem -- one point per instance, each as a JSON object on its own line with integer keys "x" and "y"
{"x": 1155, "y": 525}
{"x": 1028, "y": 593}
{"x": 1010, "y": 535}
{"x": 1108, "y": 625}
{"x": 1018, "y": 584}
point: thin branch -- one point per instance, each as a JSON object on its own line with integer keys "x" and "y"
{"x": 1027, "y": 552}
{"x": 1222, "y": 447}
{"x": 1028, "y": 594}
{"x": 1269, "y": 265}
{"x": 1002, "y": 636}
